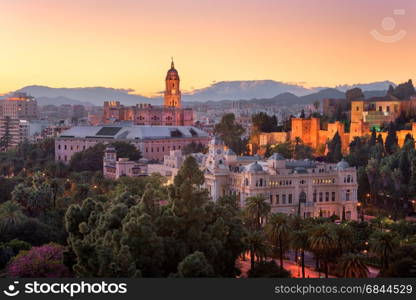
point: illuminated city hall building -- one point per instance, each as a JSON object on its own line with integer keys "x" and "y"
{"x": 170, "y": 113}
{"x": 294, "y": 187}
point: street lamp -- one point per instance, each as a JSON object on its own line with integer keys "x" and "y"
{"x": 360, "y": 211}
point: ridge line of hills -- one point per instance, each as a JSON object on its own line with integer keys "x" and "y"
{"x": 256, "y": 91}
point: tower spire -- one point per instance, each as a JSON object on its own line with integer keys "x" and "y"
{"x": 172, "y": 65}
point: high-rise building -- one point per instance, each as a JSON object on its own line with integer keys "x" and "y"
{"x": 19, "y": 106}
{"x": 17, "y": 113}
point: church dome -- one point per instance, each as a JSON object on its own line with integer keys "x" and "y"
{"x": 229, "y": 152}
{"x": 276, "y": 156}
{"x": 254, "y": 167}
{"x": 343, "y": 165}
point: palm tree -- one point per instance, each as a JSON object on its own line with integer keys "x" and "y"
{"x": 322, "y": 243}
{"x": 353, "y": 266}
{"x": 296, "y": 223}
{"x": 372, "y": 170}
{"x": 344, "y": 238}
{"x": 258, "y": 208}
{"x": 255, "y": 242}
{"x": 11, "y": 214}
{"x": 299, "y": 241}
{"x": 383, "y": 243}
{"x": 278, "y": 231}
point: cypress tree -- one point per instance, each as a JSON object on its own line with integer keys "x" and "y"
{"x": 391, "y": 140}
{"x": 373, "y": 138}
{"x": 335, "y": 149}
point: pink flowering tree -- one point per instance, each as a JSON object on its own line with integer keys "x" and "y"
{"x": 43, "y": 261}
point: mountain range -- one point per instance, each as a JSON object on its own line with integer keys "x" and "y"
{"x": 263, "y": 91}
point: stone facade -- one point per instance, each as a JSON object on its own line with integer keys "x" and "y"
{"x": 365, "y": 115}
{"x": 19, "y": 106}
{"x": 169, "y": 114}
{"x": 154, "y": 142}
{"x": 115, "y": 168}
{"x": 306, "y": 188}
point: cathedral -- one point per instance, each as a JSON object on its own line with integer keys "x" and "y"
{"x": 170, "y": 113}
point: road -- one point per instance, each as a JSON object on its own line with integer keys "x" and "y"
{"x": 295, "y": 270}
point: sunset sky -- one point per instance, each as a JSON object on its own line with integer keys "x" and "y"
{"x": 128, "y": 43}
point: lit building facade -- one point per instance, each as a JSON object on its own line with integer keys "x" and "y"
{"x": 306, "y": 188}
{"x": 19, "y": 106}
{"x": 154, "y": 142}
{"x": 115, "y": 168}
{"x": 169, "y": 114}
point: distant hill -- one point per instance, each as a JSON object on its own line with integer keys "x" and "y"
{"x": 326, "y": 93}
{"x": 290, "y": 99}
{"x": 236, "y": 90}
{"x": 92, "y": 95}
{"x": 60, "y": 100}
{"x": 262, "y": 91}
{"x": 268, "y": 89}
{"x": 373, "y": 86}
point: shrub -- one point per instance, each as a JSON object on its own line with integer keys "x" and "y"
{"x": 268, "y": 269}
{"x": 44, "y": 261}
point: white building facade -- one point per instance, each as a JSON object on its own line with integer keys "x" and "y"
{"x": 294, "y": 187}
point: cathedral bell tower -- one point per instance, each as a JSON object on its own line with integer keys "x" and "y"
{"x": 172, "y": 91}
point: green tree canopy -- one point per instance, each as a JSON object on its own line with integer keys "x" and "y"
{"x": 231, "y": 133}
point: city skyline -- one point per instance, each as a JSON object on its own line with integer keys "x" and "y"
{"x": 127, "y": 45}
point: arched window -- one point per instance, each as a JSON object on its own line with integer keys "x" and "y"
{"x": 302, "y": 197}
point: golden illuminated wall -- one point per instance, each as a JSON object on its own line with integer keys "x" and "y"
{"x": 357, "y": 109}
{"x": 307, "y": 130}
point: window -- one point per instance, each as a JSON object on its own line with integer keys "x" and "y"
{"x": 348, "y": 215}
{"x": 59, "y": 147}
{"x": 347, "y": 195}
{"x": 277, "y": 199}
{"x": 290, "y": 198}
{"x": 271, "y": 199}
{"x": 283, "y": 199}
{"x": 320, "y": 196}
{"x": 314, "y": 196}
{"x": 326, "y": 196}
{"x": 333, "y": 196}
